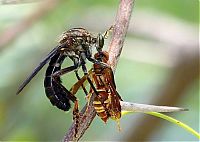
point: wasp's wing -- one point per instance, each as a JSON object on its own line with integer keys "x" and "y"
{"x": 111, "y": 79}
{"x": 110, "y": 76}
{"x": 38, "y": 68}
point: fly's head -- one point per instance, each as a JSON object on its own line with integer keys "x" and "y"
{"x": 98, "y": 41}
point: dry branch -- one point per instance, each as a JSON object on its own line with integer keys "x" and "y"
{"x": 119, "y": 32}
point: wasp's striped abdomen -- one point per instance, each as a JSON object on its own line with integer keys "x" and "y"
{"x": 101, "y": 103}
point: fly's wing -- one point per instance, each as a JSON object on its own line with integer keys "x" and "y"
{"x": 38, "y": 68}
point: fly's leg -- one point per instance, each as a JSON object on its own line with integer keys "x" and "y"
{"x": 63, "y": 71}
{"x": 92, "y": 86}
{"x": 57, "y": 75}
{"x": 77, "y": 63}
{"x": 69, "y": 94}
{"x": 83, "y": 56}
{"x": 82, "y": 85}
{"x": 107, "y": 32}
{"x": 95, "y": 61}
{"x": 86, "y": 74}
{"x": 91, "y": 83}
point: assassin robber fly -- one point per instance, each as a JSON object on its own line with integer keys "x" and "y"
{"x": 76, "y": 44}
{"x": 107, "y": 99}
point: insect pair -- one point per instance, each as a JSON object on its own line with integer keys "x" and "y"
{"x": 101, "y": 79}
{"x": 76, "y": 44}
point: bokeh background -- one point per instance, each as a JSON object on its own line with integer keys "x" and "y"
{"x": 158, "y": 65}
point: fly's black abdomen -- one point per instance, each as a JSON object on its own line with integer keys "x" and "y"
{"x": 64, "y": 102}
{"x": 53, "y": 87}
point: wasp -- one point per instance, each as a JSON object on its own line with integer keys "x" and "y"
{"x": 107, "y": 99}
{"x": 75, "y": 44}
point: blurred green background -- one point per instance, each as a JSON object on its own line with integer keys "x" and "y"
{"x": 162, "y": 34}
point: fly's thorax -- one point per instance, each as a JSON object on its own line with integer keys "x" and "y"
{"x": 77, "y": 36}
{"x": 83, "y": 37}
{"x": 78, "y": 40}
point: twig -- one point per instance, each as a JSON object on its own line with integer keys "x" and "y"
{"x": 13, "y": 32}
{"x": 115, "y": 48}
{"x": 119, "y": 31}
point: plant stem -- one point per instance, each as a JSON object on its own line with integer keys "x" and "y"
{"x": 119, "y": 32}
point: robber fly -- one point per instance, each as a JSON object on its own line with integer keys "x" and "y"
{"x": 76, "y": 44}
{"x": 107, "y": 99}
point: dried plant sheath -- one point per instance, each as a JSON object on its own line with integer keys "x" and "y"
{"x": 135, "y": 107}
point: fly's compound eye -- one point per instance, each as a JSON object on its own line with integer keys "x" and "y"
{"x": 100, "y": 42}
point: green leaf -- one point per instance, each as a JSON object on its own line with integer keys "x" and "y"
{"x": 170, "y": 119}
